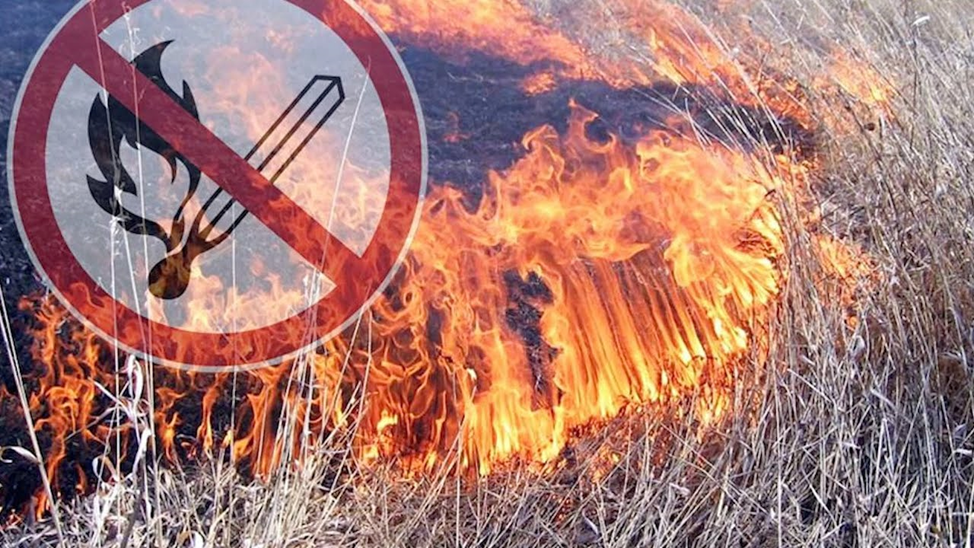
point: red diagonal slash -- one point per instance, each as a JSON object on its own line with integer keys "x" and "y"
{"x": 214, "y": 158}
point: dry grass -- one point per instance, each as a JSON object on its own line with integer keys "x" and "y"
{"x": 854, "y": 436}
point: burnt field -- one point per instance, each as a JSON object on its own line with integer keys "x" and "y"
{"x": 686, "y": 274}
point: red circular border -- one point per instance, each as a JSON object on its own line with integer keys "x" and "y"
{"x": 87, "y": 298}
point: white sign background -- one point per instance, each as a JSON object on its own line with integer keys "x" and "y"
{"x": 245, "y": 62}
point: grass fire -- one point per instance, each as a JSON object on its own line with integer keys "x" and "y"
{"x": 686, "y": 273}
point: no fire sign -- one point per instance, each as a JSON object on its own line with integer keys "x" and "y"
{"x": 217, "y": 184}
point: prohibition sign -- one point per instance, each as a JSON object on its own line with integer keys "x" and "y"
{"x": 358, "y": 278}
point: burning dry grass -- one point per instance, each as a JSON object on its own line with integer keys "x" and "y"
{"x": 851, "y": 428}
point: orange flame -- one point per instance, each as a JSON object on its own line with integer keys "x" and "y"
{"x": 595, "y": 276}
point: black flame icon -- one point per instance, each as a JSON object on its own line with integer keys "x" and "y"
{"x": 108, "y": 126}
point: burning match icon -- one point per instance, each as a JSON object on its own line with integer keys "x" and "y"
{"x": 272, "y": 155}
{"x": 109, "y": 124}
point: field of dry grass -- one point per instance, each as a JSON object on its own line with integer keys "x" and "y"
{"x": 854, "y": 434}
